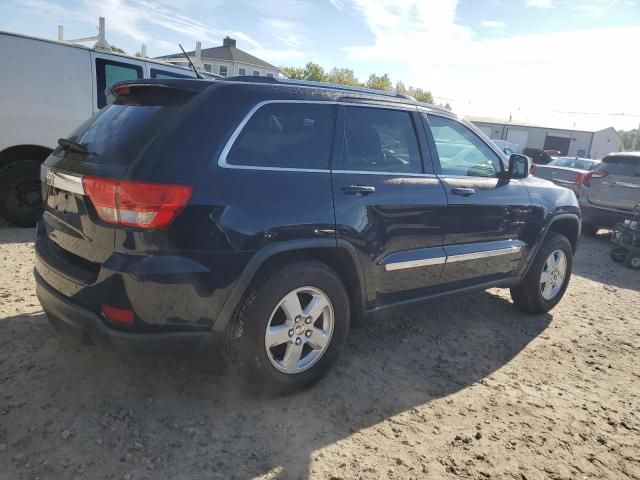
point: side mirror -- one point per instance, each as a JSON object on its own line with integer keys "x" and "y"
{"x": 519, "y": 166}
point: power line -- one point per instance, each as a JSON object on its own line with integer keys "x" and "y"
{"x": 533, "y": 109}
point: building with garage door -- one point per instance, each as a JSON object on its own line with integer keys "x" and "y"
{"x": 569, "y": 142}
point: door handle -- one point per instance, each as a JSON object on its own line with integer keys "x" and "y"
{"x": 360, "y": 190}
{"x": 465, "y": 192}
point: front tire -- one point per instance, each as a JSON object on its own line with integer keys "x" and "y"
{"x": 289, "y": 328}
{"x": 547, "y": 278}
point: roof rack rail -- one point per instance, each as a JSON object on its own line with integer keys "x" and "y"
{"x": 330, "y": 86}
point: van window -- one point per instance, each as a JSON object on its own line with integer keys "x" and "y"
{"x": 380, "y": 140}
{"x": 155, "y": 73}
{"x": 109, "y": 72}
{"x": 286, "y": 135}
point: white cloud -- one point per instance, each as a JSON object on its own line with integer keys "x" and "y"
{"x": 493, "y": 24}
{"x": 539, "y": 3}
{"x": 535, "y": 73}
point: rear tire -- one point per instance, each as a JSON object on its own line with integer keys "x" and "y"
{"x": 20, "y": 192}
{"x": 534, "y": 296}
{"x": 246, "y": 337}
{"x": 633, "y": 261}
{"x": 590, "y": 229}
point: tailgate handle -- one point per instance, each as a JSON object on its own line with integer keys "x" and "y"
{"x": 359, "y": 190}
{"x": 465, "y": 192}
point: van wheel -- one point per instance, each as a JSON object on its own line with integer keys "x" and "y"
{"x": 289, "y": 328}
{"x": 547, "y": 278}
{"x": 20, "y": 192}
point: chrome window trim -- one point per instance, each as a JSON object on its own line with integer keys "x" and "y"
{"x": 61, "y": 181}
{"x": 425, "y": 262}
{"x": 389, "y": 106}
{"x": 462, "y": 257}
{"x": 222, "y": 159}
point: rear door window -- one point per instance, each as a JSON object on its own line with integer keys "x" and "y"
{"x": 286, "y": 135}
{"x": 109, "y": 72}
{"x": 620, "y": 165}
{"x": 380, "y": 140}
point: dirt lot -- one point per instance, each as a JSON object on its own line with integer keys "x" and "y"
{"x": 461, "y": 388}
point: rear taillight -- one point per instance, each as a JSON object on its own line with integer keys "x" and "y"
{"x": 136, "y": 204}
{"x": 580, "y": 178}
{"x": 590, "y": 175}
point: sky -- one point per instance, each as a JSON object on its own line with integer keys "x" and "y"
{"x": 564, "y": 63}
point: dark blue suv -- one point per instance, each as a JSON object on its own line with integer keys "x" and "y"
{"x": 262, "y": 217}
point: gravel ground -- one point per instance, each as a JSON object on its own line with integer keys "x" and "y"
{"x": 459, "y": 388}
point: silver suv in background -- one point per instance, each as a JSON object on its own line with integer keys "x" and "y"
{"x": 610, "y": 191}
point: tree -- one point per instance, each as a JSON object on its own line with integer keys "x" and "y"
{"x": 630, "y": 139}
{"x": 420, "y": 94}
{"x": 314, "y": 72}
{"x": 400, "y": 88}
{"x": 379, "y": 82}
{"x": 117, "y": 49}
{"x": 343, "y": 76}
{"x": 294, "y": 73}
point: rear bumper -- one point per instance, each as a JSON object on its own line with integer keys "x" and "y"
{"x": 603, "y": 217}
{"x": 64, "y": 314}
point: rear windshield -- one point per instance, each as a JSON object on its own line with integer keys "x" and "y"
{"x": 621, "y": 165}
{"x": 118, "y": 133}
{"x": 573, "y": 163}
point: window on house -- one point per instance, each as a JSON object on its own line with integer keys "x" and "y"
{"x": 256, "y": 73}
{"x": 223, "y": 70}
{"x": 207, "y": 67}
{"x": 380, "y": 140}
{"x": 286, "y": 135}
{"x": 242, "y": 71}
{"x": 269, "y": 74}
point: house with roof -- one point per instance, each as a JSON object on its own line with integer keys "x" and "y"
{"x": 567, "y": 140}
{"x": 226, "y": 60}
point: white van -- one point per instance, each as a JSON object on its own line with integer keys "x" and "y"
{"x": 47, "y": 89}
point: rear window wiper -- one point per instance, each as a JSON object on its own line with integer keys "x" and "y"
{"x": 72, "y": 146}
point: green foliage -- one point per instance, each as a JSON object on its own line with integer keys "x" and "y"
{"x": 345, "y": 76}
{"x": 630, "y": 139}
{"x": 117, "y": 49}
{"x": 379, "y": 82}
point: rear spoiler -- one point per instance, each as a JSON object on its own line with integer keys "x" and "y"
{"x": 182, "y": 85}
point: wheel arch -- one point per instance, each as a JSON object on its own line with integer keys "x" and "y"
{"x": 567, "y": 224}
{"x": 340, "y": 256}
{"x": 20, "y": 152}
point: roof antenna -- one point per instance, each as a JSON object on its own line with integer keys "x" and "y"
{"x": 191, "y": 63}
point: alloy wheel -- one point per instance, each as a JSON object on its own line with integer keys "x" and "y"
{"x": 553, "y": 274}
{"x": 299, "y": 330}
